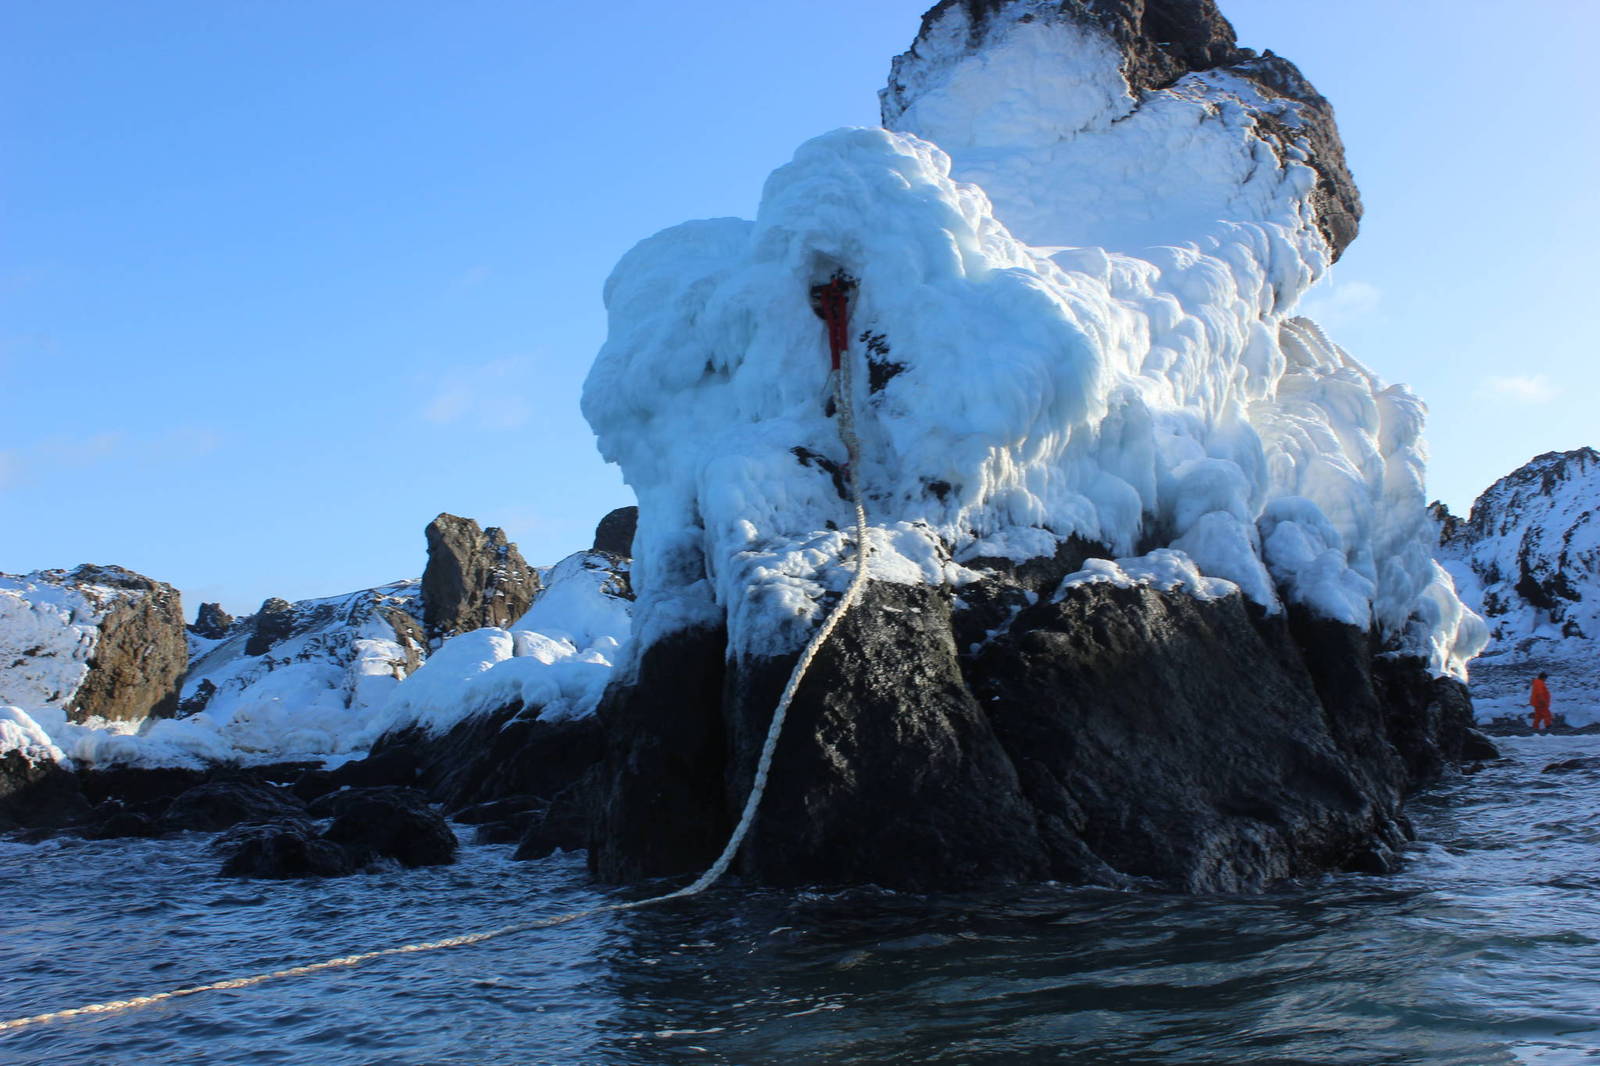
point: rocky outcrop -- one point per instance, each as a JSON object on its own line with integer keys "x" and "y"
{"x": 1532, "y": 541}
{"x": 217, "y": 805}
{"x": 38, "y": 794}
{"x": 474, "y": 578}
{"x": 1112, "y": 735}
{"x": 211, "y": 622}
{"x": 366, "y": 826}
{"x": 1159, "y": 42}
{"x": 353, "y": 648}
{"x": 98, "y": 642}
{"x": 274, "y": 622}
{"x": 614, "y": 534}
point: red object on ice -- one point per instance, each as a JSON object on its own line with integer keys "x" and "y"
{"x": 832, "y": 304}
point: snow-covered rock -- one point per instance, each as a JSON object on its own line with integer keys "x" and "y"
{"x": 313, "y": 679}
{"x": 95, "y": 643}
{"x": 1077, "y": 251}
{"x": 1528, "y": 558}
{"x": 1017, "y": 392}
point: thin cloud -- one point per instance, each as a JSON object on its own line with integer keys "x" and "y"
{"x": 1528, "y": 389}
{"x": 489, "y": 396}
{"x": 114, "y": 449}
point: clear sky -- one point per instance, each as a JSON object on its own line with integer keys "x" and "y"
{"x": 280, "y": 282}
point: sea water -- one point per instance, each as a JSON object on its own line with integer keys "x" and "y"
{"x": 1484, "y": 950}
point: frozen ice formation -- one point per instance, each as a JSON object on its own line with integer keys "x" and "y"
{"x": 1075, "y": 317}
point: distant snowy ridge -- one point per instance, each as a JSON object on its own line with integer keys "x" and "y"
{"x": 1136, "y": 396}
{"x": 1528, "y": 558}
{"x": 315, "y": 679}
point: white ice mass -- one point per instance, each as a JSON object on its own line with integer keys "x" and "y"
{"x": 1038, "y": 366}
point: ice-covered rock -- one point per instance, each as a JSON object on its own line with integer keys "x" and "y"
{"x": 1076, "y": 250}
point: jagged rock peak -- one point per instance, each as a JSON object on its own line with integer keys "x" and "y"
{"x": 1532, "y": 542}
{"x": 1502, "y": 504}
{"x": 614, "y": 534}
{"x": 1158, "y": 43}
{"x": 474, "y": 578}
{"x": 275, "y": 621}
{"x": 211, "y": 622}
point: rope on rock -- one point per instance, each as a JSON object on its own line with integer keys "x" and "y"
{"x": 833, "y": 308}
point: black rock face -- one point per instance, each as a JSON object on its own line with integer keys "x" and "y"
{"x": 38, "y": 795}
{"x": 275, "y": 621}
{"x": 281, "y": 850}
{"x": 614, "y": 534}
{"x": 474, "y": 578}
{"x": 395, "y": 823}
{"x": 211, "y": 622}
{"x": 1114, "y": 736}
{"x": 1161, "y": 41}
{"x": 218, "y": 805}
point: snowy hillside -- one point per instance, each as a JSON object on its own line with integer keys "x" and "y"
{"x": 1528, "y": 558}
{"x": 1015, "y": 391}
{"x": 313, "y": 679}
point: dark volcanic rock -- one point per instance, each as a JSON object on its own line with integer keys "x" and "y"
{"x": 615, "y": 532}
{"x": 38, "y": 795}
{"x": 219, "y": 804}
{"x": 395, "y": 766}
{"x": 141, "y": 653}
{"x": 564, "y": 824}
{"x": 290, "y": 848}
{"x": 661, "y": 806}
{"x": 1117, "y": 734}
{"x": 394, "y": 823}
{"x": 510, "y": 752}
{"x": 120, "y": 823}
{"x": 1566, "y": 766}
{"x": 474, "y": 578}
{"x": 211, "y": 622}
{"x": 275, "y": 621}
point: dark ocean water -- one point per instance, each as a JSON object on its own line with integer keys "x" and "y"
{"x": 1485, "y": 950}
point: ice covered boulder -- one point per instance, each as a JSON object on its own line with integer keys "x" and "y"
{"x": 1076, "y": 373}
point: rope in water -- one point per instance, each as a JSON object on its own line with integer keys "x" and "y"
{"x": 847, "y": 433}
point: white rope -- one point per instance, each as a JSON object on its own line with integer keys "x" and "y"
{"x": 858, "y": 581}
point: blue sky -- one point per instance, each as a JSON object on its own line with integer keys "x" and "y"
{"x": 280, "y": 282}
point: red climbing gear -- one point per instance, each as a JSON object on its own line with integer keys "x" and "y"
{"x": 831, "y": 302}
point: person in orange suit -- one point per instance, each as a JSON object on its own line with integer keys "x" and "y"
{"x": 1539, "y": 700}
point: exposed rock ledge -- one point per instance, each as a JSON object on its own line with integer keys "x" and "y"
{"x": 1118, "y": 735}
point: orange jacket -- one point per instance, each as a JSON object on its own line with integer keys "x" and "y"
{"x": 1540, "y": 700}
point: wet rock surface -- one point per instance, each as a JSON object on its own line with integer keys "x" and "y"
{"x": 388, "y": 823}
{"x": 1120, "y": 735}
{"x": 217, "y": 805}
